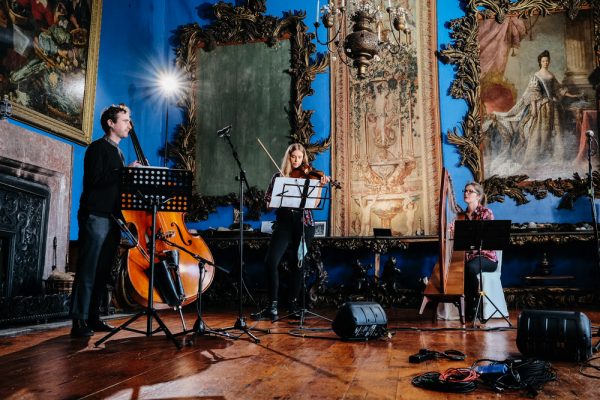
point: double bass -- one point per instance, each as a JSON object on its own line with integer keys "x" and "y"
{"x": 171, "y": 235}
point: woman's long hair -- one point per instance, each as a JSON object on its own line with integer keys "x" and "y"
{"x": 286, "y": 165}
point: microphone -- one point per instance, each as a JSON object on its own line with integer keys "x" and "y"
{"x": 224, "y": 131}
{"x": 589, "y": 134}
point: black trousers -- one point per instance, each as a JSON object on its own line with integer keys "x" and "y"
{"x": 472, "y": 272}
{"x": 287, "y": 232}
{"x": 98, "y": 242}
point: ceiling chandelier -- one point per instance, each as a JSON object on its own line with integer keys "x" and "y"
{"x": 369, "y": 36}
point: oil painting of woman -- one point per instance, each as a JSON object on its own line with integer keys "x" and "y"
{"x": 534, "y": 131}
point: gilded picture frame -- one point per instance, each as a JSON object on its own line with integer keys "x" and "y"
{"x": 239, "y": 25}
{"x": 478, "y": 82}
{"x": 49, "y": 64}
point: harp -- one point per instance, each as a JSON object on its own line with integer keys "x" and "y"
{"x": 446, "y": 284}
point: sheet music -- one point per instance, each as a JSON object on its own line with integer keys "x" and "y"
{"x": 287, "y": 192}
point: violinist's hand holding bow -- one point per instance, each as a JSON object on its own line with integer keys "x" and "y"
{"x": 135, "y": 164}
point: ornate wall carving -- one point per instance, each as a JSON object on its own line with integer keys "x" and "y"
{"x": 23, "y": 219}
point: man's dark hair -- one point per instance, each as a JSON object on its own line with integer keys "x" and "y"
{"x": 111, "y": 113}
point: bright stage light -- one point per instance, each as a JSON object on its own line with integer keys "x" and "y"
{"x": 169, "y": 83}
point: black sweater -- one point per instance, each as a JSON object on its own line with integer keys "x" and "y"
{"x": 101, "y": 167}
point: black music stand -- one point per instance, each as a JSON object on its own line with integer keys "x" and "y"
{"x": 299, "y": 194}
{"x": 152, "y": 189}
{"x": 482, "y": 235}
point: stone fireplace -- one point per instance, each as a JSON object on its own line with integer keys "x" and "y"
{"x": 35, "y": 205}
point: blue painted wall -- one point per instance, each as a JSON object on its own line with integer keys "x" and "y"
{"x": 134, "y": 46}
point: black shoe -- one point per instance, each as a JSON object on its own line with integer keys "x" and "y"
{"x": 470, "y": 308}
{"x": 294, "y": 311}
{"x": 266, "y": 314}
{"x": 99, "y": 326}
{"x": 80, "y": 329}
{"x": 470, "y": 316}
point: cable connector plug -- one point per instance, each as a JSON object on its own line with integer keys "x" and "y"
{"x": 491, "y": 369}
{"x": 422, "y": 355}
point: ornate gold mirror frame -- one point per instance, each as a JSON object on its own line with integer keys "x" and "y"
{"x": 241, "y": 25}
{"x": 464, "y": 54}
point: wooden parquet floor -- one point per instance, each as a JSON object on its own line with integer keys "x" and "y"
{"x": 49, "y": 364}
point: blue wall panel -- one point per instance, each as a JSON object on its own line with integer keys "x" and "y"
{"x": 136, "y": 43}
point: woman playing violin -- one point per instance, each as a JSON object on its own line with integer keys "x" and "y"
{"x": 287, "y": 230}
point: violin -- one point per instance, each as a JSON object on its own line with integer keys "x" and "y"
{"x": 305, "y": 171}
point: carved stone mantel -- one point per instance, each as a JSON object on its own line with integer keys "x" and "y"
{"x": 37, "y": 158}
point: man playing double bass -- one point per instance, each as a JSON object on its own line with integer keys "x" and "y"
{"x": 98, "y": 233}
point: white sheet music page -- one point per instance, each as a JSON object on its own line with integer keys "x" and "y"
{"x": 287, "y": 192}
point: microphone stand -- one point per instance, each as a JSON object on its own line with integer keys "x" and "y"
{"x": 200, "y": 328}
{"x": 240, "y": 323}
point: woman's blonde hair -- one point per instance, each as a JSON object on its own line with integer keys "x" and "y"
{"x": 286, "y": 165}
{"x": 479, "y": 189}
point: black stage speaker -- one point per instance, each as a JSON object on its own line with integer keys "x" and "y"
{"x": 360, "y": 320}
{"x": 554, "y": 335}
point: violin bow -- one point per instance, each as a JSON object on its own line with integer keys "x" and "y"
{"x": 269, "y": 154}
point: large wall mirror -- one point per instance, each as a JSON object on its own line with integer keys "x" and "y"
{"x": 529, "y": 71}
{"x": 250, "y": 71}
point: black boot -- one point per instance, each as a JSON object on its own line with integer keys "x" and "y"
{"x": 266, "y": 314}
{"x": 294, "y": 310}
{"x": 80, "y": 329}
{"x": 98, "y": 325}
{"x": 470, "y": 306}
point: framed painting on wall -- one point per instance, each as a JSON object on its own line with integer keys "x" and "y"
{"x": 528, "y": 81}
{"x": 537, "y": 101}
{"x": 320, "y": 228}
{"x": 48, "y": 63}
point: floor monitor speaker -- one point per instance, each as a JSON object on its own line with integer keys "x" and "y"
{"x": 360, "y": 320}
{"x": 554, "y": 335}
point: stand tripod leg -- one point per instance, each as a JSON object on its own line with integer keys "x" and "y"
{"x": 150, "y": 313}
{"x": 199, "y": 328}
{"x": 164, "y": 328}
{"x": 181, "y": 318}
{"x": 497, "y": 310}
{"x": 240, "y": 325}
{"x": 482, "y": 295}
{"x": 119, "y": 328}
{"x": 478, "y": 307}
